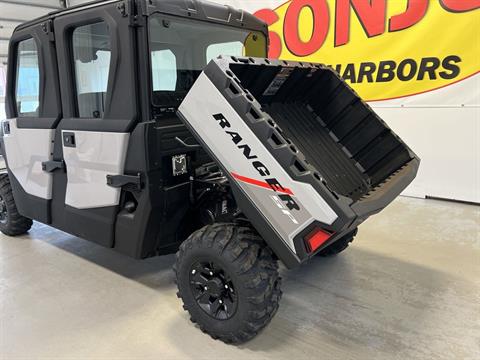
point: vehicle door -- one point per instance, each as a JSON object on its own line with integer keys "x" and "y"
{"x": 95, "y": 47}
{"x": 33, "y": 112}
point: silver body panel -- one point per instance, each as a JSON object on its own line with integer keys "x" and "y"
{"x": 26, "y": 149}
{"x": 96, "y": 155}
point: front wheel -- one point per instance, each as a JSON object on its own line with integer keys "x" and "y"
{"x": 11, "y": 222}
{"x": 228, "y": 280}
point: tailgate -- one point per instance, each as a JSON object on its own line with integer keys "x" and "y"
{"x": 304, "y": 154}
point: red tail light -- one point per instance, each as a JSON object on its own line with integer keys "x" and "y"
{"x": 316, "y": 239}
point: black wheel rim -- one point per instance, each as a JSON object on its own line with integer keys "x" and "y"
{"x": 3, "y": 211}
{"x": 213, "y": 290}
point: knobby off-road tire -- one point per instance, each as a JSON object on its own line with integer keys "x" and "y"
{"x": 339, "y": 245}
{"x": 235, "y": 259}
{"x": 11, "y": 222}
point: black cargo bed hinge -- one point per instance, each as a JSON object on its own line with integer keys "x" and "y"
{"x": 128, "y": 182}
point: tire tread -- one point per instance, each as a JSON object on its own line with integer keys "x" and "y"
{"x": 16, "y": 224}
{"x": 255, "y": 263}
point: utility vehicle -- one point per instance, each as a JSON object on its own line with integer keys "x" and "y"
{"x": 160, "y": 126}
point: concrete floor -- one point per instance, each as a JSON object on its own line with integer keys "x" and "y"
{"x": 408, "y": 288}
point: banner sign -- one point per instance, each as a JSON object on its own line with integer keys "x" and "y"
{"x": 385, "y": 49}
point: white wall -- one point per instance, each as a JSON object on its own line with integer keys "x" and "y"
{"x": 443, "y": 128}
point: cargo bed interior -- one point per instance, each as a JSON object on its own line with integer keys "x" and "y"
{"x": 339, "y": 134}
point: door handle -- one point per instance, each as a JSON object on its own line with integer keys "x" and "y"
{"x": 69, "y": 139}
{"x": 130, "y": 182}
{"x": 51, "y": 166}
{"x": 6, "y": 127}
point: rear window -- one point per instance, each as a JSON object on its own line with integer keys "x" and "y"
{"x": 27, "y": 87}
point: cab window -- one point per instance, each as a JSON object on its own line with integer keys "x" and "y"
{"x": 91, "y": 56}
{"x": 27, "y": 87}
{"x": 181, "y": 48}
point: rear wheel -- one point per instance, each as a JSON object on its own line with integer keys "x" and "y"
{"x": 339, "y": 245}
{"x": 228, "y": 280}
{"x": 11, "y": 222}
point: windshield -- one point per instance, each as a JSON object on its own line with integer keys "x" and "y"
{"x": 181, "y": 48}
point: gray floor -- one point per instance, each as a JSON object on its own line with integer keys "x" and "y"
{"x": 408, "y": 288}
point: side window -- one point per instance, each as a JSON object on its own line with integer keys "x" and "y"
{"x": 27, "y": 85}
{"x": 91, "y": 55}
{"x": 164, "y": 70}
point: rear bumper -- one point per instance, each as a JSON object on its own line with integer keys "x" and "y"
{"x": 371, "y": 204}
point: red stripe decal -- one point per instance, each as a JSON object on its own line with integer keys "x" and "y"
{"x": 262, "y": 184}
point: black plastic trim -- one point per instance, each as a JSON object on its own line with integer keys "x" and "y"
{"x": 29, "y": 205}
{"x": 207, "y": 11}
{"x": 36, "y": 123}
{"x": 121, "y": 111}
{"x": 49, "y": 93}
{"x": 103, "y": 125}
{"x": 91, "y": 224}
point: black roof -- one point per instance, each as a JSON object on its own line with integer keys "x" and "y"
{"x": 196, "y": 9}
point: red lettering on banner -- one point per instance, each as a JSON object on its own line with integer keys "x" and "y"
{"x": 271, "y": 17}
{"x": 321, "y": 22}
{"x": 416, "y": 10}
{"x": 371, "y": 14}
{"x": 460, "y": 5}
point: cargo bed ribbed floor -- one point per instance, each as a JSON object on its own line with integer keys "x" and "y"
{"x": 339, "y": 135}
{"x": 304, "y": 129}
